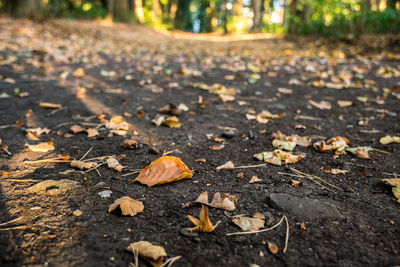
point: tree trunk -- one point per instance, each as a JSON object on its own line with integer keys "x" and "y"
{"x": 139, "y": 11}
{"x": 172, "y": 10}
{"x": 257, "y": 7}
{"x": 25, "y": 8}
{"x": 292, "y": 19}
{"x": 391, "y": 4}
{"x": 110, "y": 10}
{"x": 156, "y": 9}
{"x": 121, "y": 9}
{"x": 183, "y": 18}
{"x": 205, "y": 16}
{"x": 365, "y": 5}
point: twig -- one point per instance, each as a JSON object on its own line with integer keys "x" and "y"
{"x": 14, "y": 228}
{"x": 393, "y": 174}
{"x": 359, "y": 165}
{"x": 170, "y": 261}
{"x": 287, "y": 235}
{"x": 64, "y": 123}
{"x": 12, "y": 221}
{"x": 90, "y": 149}
{"x": 382, "y": 151}
{"x": 172, "y": 151}
{"x": 258, "y": 231}
{"x": 250, "y": 166}
{"x": 95, "y": 168}
{"x": 22, "y": 180}
{"x": 314, "y": 177}
{"x": 136, "y": 256}
{"x": 8, "y": 125}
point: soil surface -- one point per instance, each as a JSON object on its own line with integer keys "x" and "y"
{"x": 349, "y": 219}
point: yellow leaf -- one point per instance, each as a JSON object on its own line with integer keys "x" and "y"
{"x": 153, "y": 254}
{"x": 76, "y": 129}
{"x": 249, "y": 223}
{"x": 227, "y": 166}
{"x": 127, "y": 205}
{"x": 394, "y": 181}
{"x": 112, "y": 163}
{"x": 50, "y": 105}
{"x": 202, "y": 225}
{"x": 172, "y": 122}
{"x": 42, "y": 147}
{"x": 92, "y": 132}
{"x": 164, "y": 170}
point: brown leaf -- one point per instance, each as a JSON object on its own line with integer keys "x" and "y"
{"x": 203, "y": 224}
{"x": 172, "y": 122}
{"x": 164, "y": 170}
{"x": 362, "y": 154}
{"x": 127, "y": 205}
{"x": 113, "y": 163}
{"x": 227, "y": 166}
{"x": 321, "y": 105}
{"x": 225, "y": 202}
{"x": 216, "y": 147}
{"x": 240, "y": 175}
{"x": 92, "y": 132}
{"x": 82, "y": 165}
{"x": 343, "y": 103}
{"x": 76, "y": 129}
{"x": 42, "y": 147}
{"x": 153, "y": 254}
{"x": 79, "y": 72}
{"x": 392, "y": 181}
{"x": 255, "y": 179}
{"x": 249, "y": 223}
{"x": 130, "y": 143}
{"x": 296, "y": 183}
{"x": 50, "y": 105}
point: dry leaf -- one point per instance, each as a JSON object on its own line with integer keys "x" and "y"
{"x": 76, "y": 129}
{"x": 62, "y": 185}
{"x": 164, "y": 170}
{"x": 50, "y": 105}
{"x": 285, "y": 145}
{"x": 38, "y": 131}
{"x": 334, "y": 171}
{"x": 172, "y": 122}
{"x": 255, "y": 179}
{"x": 201, "y": 160}
{"x": 79, "y": 72}
{"x": 389, "y": 139}
{"x": 321, "y": 105}
{"x": 360, "y": 152}
{"x": 393, "y": 181}
{"x": 227, "y": 166}
{"x": 226, "y": 98}
{"x": 285, "y": 91}
{"x": 253, "y": 223}
{"x": 343, "y": 103}
{"x": 216, "y": 147}
{"x": 127, "y": 205}
{"x": 31, "y": 136}
{"x": 92, "y": 132}
{"x": 265, "y": 116}
{"x": 117, "y": 123}
{"x": 273, "y": 248}
{"x": 42, "y": 147}
{"x": 240, "y": 175}
{"x": 153, "y": 254}
{"x": 202, "y": 225}
{"x": 82, "y": 165}
{"x": 225, "y": 202}
{"x": 112, "y": 163}
{"x": 171, "y": 109}
{"x": 296, "y": 183}
{"x": 130, "y": 143}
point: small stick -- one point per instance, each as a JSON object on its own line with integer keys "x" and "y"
{"x": 393, "y": 174}
{"x": 8, "y": 125}
{"x": 258, "y": 231}
{"x": 172, "y": 151}
{"x": 170, "y": 261}
{"x": 64, "y": 123}
{"x": 100, "y": 158}
{"x": 382, "y": 151}
{"x": 14, "y": 220}
{"x": 90, "y": 149}
{"x": 287, "y": 235}
{"x": 359, "y": 165}
{"x": 95, "y": 168}
{"x": 22, "y": 181}
{"x": 14, "y": 228}
{"x": 51, "y": 160}
{"x": 250, "y": 166}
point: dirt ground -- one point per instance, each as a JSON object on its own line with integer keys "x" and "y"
{"x": 349, "y": 219}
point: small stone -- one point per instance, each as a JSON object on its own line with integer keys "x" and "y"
{"x": 304, "y": 207}
{"x": 229, "y": 134}
{"x": 105, "y": 193}
{"x": 101, "y": 184}
{"x": 77, "y": 213}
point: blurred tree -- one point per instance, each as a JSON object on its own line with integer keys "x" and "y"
{"x": 292, "y": 17}
{"x": 24, "y": 8}
{"x": 205, "y": 16}
{"x": 138, "y": 4}
{"x": 110, "y": 10}
{"x": 257, "y": 6}
{"x": 156, "y": 10}
{"x": 172, "y": 9}
{"x": 183, "y": 18}
{"x": 237, "y": 20}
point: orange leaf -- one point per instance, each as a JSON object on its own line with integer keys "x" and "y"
{"x": 42, "y": 147}
{"x": 202, "y": 225}
{"x": 164, "y": 170}
{"x": 127, "y": 205}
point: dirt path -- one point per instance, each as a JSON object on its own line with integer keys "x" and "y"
{"x": 316, "y": 90}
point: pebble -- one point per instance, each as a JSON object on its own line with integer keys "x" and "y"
{"x": 105, "y": 193}
{"x": 229, "y": 134}
{"x": 77, "y": 213}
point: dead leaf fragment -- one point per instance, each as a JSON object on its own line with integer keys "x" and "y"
{"x": 151, "y": 253}
{"x": 273, "y": 248}
{"x": 62, "y": 185}
{"x": 92, "y": 132}
{"x": 127, "y": 205}
{"x": 130, "y": 143}
{"x": 344, "y": 103}
{"x": 76, "y": 129}
{"x": 50, "y": 105}
{"x": 285, "y": 145}
{"x": 172, "y": 122}
{"x": 203, "y": 224}
{"x": 79, "y": 72}
{"x": 246, "y": 223}
{"x": 227, "y": 166}
{"x": 322, "y": 105}
{"x": 164, "y": 170}
{"x": 113, "y": 163}
{"x": 296, "y": 183}
{"x": 389, "y": 139}
{"x": 393, "y": 181}
{"x": 225, "y": 202}
{"x": 334, "y": 171}
{"x": 82, "y": 165}
{"x": 255, "y": 179}
{"x": 42, "y": 147}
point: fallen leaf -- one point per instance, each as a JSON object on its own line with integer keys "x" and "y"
{"x": 92, "y": 132}
{"x": 273, "y": 248}
{"x": 171, "y": 109}
{"x": 389, "y": 139}
{"x": 201, "y": 160}
{"x": 130, "y": 143}
{"x": 38, "y": 131}
{"x": 127, "y": 205}
{"x": 42, "y": 147}
{"x": 285, "y": 91}
{"x": 343, "y": 103}
{"x": 225, "y": 202}
{"x": 151, "y": 253}
{"x": 62, "y": 185}
{"x": 216, "y": 147}
{"x": 360, "y": 152}
{"x": 296, "y": 183}
{"x": 247, "y": 223}
{"x": 172, "y": 122}
{"x": 117, "y": 123}
{"x": 79, "y": 72}
{"x": 393, "y": 181}
{"x": 227, "y": 166}
{"x": 50, "y": 105}
{"x": 240, "y": 175}
{"x": 303, "y": 226}
{"x": 202, "y": 225}
{"x": 321, "y": 105}
{"x": 164, "y": 170}
{"x": 255, "y": 179}
{"x": 76, "y": 129}
{"x": 83, "y": 165}
{"x": 113, "y": 163}
{"x": 265, "y": 116}
{"x": 285, "y": 145}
